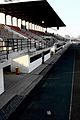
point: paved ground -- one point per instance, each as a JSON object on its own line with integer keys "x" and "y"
{"x": 75, "y": 113}
{"x": 50, "y": 100}
{"x": 18, "y": 86}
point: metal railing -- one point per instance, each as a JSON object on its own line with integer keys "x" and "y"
{"x": 15, "y": 45}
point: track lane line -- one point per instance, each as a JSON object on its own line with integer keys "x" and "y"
{"x": 72, "y": 87}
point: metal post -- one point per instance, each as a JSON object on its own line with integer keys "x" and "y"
{"x": 13, "y": 45}
{"x": 27, "y": 44}
{"x": 30, "y": 43}
{"x": 11, "y": 20}
{"x": 17, "y": 45}
{"x": 35, "y": 44}
{"x": 7, "y": 47}
{"x": 5, "y": 19}
{"x": 21, "y": 44}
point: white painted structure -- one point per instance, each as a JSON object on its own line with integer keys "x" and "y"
{"x": 1, "y": 82}
{"x": 46, "y": 57}
{"x": 24, "y": 64}
{"x": 22, "y": 61}
{"x": 35, "y": 64}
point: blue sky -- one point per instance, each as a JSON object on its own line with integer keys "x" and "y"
{"x": 68, "y": 11}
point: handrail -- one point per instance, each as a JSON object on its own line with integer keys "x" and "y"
{"x": 15, "y": 45}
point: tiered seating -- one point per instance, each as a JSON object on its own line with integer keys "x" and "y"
{"x": 30, "y": 35}
{"x": 23, "y": 32}
{"x": 39, "y": 33}
{"x": 14, "y": 27}
{"x": 15, "y": 32}
{"x": 17, "y": 29}
{"x": 45, "y": 36}
{"x": 58, "y": 37}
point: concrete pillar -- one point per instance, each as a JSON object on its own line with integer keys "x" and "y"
{"x": 1, "y": 82}
{"x": 24, "y": 24}
{"x": 30, "y": 25}
{"x": 27, "y": 25}
{"x": 5, "y": 19}
{"x": 14, "y": 21}
{"x": 19, "y": 23}
{"x": 35, "y": 27}
{"x": 11, "y": 20}
{"x": 8, "y": 20}
{"x": 2, "y": 20}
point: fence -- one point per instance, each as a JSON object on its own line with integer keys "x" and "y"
{"x": 15, "y": 45}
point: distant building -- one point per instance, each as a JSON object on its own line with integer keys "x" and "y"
{"x": 67, "y": 36}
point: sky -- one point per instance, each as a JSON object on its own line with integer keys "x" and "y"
{"x": 68, "y": 11}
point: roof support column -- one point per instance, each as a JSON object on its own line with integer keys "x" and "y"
{"x": 8, "y": 20}
{"x": 31, "y": 26}
{"x": 2, "y": 20}
{"x": 42, "y": 29}
{"x": 14, "y": 21}
{"x": 25, "y": 24}
{"x": 5, "y": 19}
{"x": 11, "y": 20}
{"x": 21, "y": 23}
{"x": 28, "y": 25}
{"x": 35, "y": 27}
{"x": 17, "y": 22}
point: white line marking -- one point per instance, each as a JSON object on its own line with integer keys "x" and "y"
{"x": 72, "y": 88}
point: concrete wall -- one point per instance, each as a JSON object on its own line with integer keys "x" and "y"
{"x": 22, "y": 63}
{"x": 46, "y": 57}
{"x": 35, "y": 64}
{"x": 1, "y": 82}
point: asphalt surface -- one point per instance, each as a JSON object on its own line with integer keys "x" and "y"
{"x": 75, "y": 111}
{"x": 51, "y": 98}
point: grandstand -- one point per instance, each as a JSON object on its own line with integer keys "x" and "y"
{"x": 18, "y": 42}
{"x": 28, "y": 46}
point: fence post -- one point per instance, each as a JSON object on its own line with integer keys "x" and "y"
{"x": 7, "y": 47}
{"x": 17, "y": 45}
{"x": 35, "y": 44}
{"x": 21, "y": 44}
{"x": 30, "y": 43}
{"x": 13, "y": 45}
